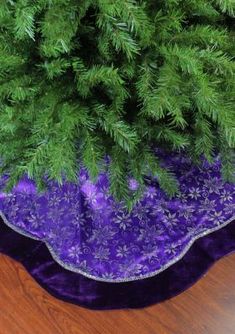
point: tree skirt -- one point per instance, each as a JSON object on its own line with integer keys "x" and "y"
{"x": 89, "y": 250}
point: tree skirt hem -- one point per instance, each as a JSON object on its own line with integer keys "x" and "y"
{"x": 80, "y": 290}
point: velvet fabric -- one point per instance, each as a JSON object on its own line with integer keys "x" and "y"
{"x": 84, "y": 247}
{"x": 75, "y": 288}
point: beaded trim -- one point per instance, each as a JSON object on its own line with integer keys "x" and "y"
{"x": 70, "y": 267}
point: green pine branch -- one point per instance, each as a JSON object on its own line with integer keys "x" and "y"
{"x": 84, "y": 80}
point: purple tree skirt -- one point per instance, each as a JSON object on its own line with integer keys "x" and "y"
{"x": 87, "y": 249}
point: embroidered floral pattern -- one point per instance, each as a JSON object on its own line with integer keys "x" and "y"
{"x": 88, "y": 232}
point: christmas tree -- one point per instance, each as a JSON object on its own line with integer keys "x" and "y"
{"x": 83, "y": 80}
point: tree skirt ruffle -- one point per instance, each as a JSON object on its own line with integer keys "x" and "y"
{"x": 85, "y": 242}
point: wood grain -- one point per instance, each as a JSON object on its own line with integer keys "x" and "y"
{"x": 207, "y": 308}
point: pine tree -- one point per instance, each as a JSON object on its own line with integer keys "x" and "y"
{"x": 84, "y": 79}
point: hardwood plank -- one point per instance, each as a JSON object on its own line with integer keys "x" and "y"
{"x": 207, "y": 308}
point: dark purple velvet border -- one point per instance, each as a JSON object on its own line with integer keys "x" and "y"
{"x": 77, "y": 289}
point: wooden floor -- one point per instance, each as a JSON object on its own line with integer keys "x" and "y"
{"x": 207, "y": 308}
